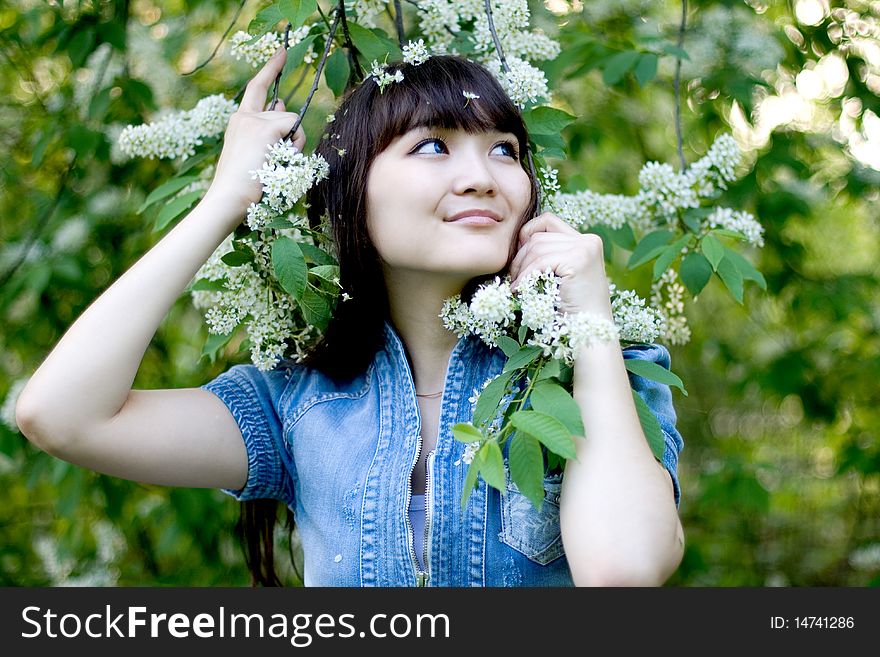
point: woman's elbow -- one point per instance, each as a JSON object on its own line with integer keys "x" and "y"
{"x": 34, "y": 422}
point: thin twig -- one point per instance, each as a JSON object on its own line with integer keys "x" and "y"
{"x": 352, "y": 51}
{"x": 220, "y": 42}
{"x": 340, "y": 11}
{"x": 40, "y": 225}
{"x": 398, "y": 21}
{"x": 278, "y": 77}
{"x": 302, "y": 78}
{"x": 677, "y": 85}
{"x": 506, "y": 69}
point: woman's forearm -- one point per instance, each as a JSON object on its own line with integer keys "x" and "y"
{"x": 619, "y": 522}
{"x": 89, "y": 373}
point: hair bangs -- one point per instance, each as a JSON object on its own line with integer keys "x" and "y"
{"x": 432, "y": 94}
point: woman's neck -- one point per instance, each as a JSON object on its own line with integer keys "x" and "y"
{"x": 415, "y": 300}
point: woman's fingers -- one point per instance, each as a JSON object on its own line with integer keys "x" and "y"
{"x": 545, "y": 222}
{"x": 255, "y": 92}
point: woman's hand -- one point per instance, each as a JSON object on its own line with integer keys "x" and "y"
{"x": 576, "y": 258}
{"x": 250, "y": 131}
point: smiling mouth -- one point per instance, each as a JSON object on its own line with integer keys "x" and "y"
{"x": 475, "y": 216}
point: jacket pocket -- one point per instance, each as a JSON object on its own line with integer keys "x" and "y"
{"x": 533, "y": 532}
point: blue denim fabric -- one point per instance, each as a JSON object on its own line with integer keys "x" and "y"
{"x": 340, "y": 455}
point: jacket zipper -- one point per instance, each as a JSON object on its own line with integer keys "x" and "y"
{"x": 429, "y": 463}
{"x": 422, "y": 576}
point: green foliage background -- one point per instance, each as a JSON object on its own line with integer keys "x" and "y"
{"x": 780, "y": 470}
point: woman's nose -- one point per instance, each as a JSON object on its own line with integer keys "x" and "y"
{"x": 473, "y": 175}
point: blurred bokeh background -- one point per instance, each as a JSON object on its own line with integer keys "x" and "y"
{"x": 781, "y": 469}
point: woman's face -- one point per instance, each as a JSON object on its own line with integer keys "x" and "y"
{"x": 446, "y": 201}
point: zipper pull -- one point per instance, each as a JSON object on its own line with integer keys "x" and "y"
{"x": 421, "y": 578}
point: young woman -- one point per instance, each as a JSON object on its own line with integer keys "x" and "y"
{"x": 428, "y": 195}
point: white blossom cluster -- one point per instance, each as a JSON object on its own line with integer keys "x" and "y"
{"x": 866, "y": 557}
{"x": 286, "y": 176}
{"x": 367, "y": 10}
{"x": 733, "y": 38}
{"x": 248, "y": 297}
{"x": 178, "y": 133}
{"x": 255, "y": 53}
{"x": 496, "y": 310}
{"x": 663, "y": 194}
{"x": 740, "y": 221}
{"x": 667, "y": 297}
{"x": 442, "y": 21}
{"x": 415, "y": 52}
{"x": 383, "y": 78}
{"x": 258, "y": 53}
{"x": 635, "y": 319}
{"x": 587, "y": 208}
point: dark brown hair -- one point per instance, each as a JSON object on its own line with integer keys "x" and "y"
{"x": 367, "y": 120}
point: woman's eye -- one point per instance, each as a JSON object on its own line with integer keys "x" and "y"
{"x": 433, "y": 146}
{"x": 508, "y": 148}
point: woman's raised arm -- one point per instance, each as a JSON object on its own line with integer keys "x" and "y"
{"x": 79, "y": 405}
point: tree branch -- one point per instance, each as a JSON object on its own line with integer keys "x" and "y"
{"x": 352, "y": 51}
{"x": 398, "y": 21}
{"x": 220, "y": 42}
{"x": 677, "y": 86}
{"x": 506, "y": 69}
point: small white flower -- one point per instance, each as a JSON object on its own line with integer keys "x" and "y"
{"x": 470, "y": 451}
{"x": 383, "y": 78}
{"x": 415, "y": 52}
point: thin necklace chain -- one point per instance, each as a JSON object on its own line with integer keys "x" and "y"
{"x": 432, "y": 395}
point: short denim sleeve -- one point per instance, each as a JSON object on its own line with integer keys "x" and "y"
{"x": 658, "y": 397}
{"x": 248, "y": 393}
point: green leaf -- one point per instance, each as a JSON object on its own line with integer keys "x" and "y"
{"x": 265, "y": 20}
{"x": 607, "y": 242}
{"x": 550, "y": 431}
{"x": 522, "y": 358}
{"x": 280, "y": 223}
{"x": 618, "y": 65}
{"x": 167, "y": 189}
{"x": 297, "y": 11}
{"x": 650, "y": 427}
{"x": 713, "y": 250}
{"x": 695, "y": 272}
{"x": 83, "y": 140}
{"x": 623, "y": 237}
{"x": 668, "y": 256}
{"x": 337, "y": 71}
{"x": 732, "y": 278}
{"x": 554, "y": 141}
{"x": 214, "y": 344}
{"x": 81, "y": 44}
{"x": 237, "y": 258}
{"x": 554, "y": 400}
{"x": 650, "y": 246}
{"x": 290, "y": 266}
{"x": 327, "y": 272}
{"x": 371, "y": 45}
{"x": 176, "y": 207}
{"x": 295, "y": 56}
{"x": 315, "y": 308}
{"x": 466, "y": 432}
{"x": 550, "y": 370}
{"x": 508, "y": 345}
{"x": 317, "y": 256}
{"x": 654, "y": 372}
{"x": 490, "y": 398}
{"x": 492, "y": 465}
{"x": 99, "y": 104}
{"x": 521, "y": 334}
{"x": 726, "y": 232}
{"x": 204, "y": 285}
{"x": 470, "y": 482}
{"x": 745, "y": 268}
{"x": 545, "y": 120}
{"x": 646, "y": 69}
{"x": 527, "y": 467}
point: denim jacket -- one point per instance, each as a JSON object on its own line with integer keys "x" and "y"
{"x": 340, "y": 455}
